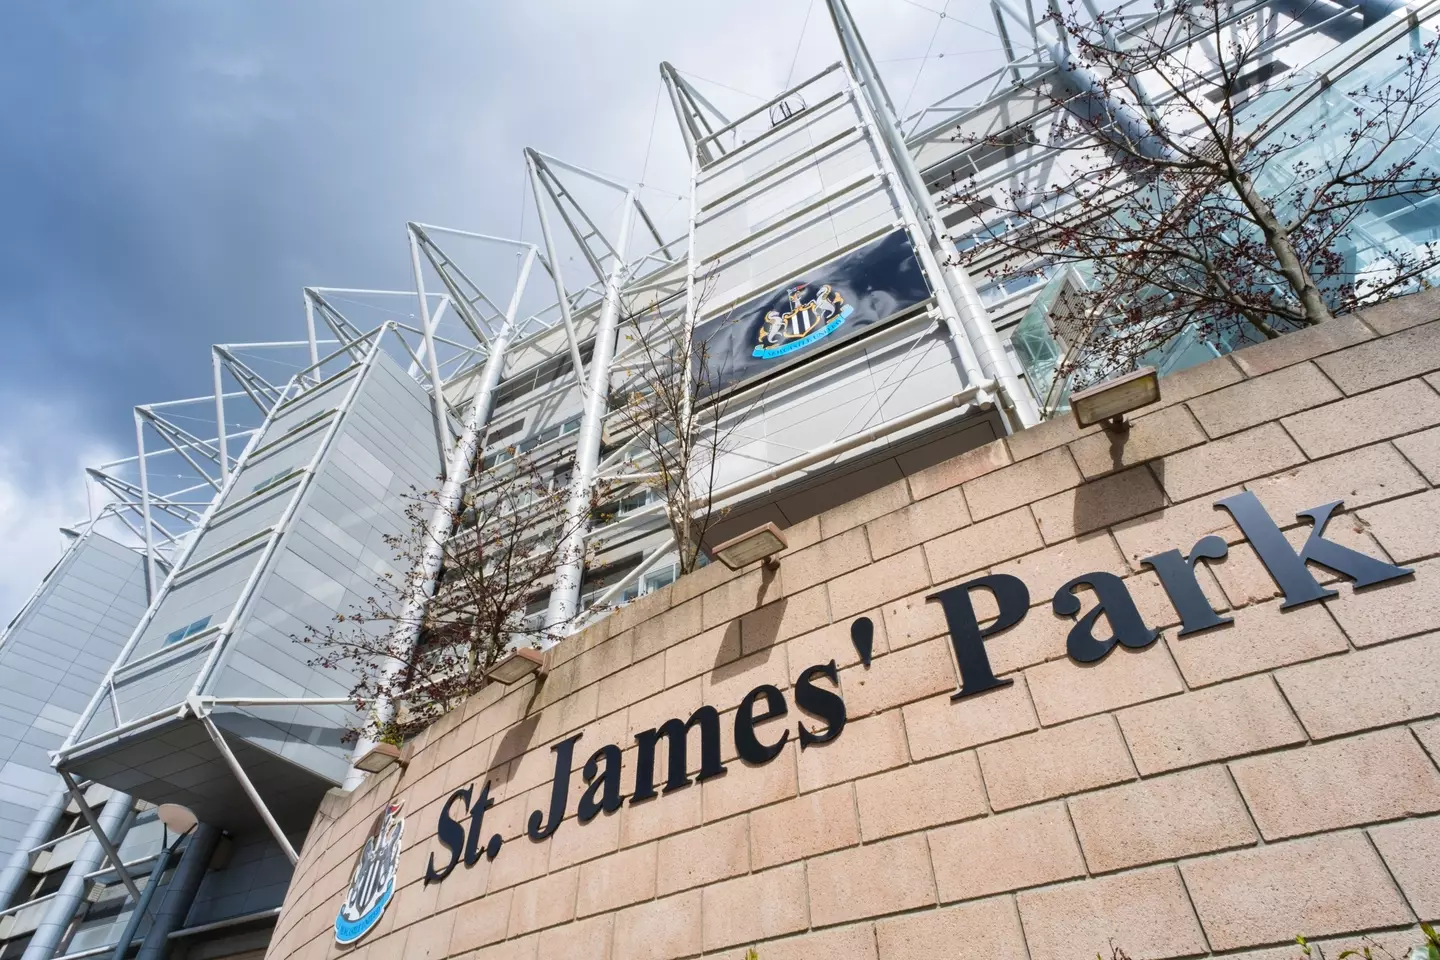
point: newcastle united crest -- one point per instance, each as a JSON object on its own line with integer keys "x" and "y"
{"x": 373, "y": 883}
{"x": 806, "y": 321}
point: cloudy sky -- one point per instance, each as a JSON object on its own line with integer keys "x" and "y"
{"x": 174, "y": 172}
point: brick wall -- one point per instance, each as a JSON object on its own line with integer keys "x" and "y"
{"x": 1217, "y": 793}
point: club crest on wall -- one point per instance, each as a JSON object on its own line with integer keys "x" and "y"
{"x": 373, "y": 884}
{"x": 804, "y": 323}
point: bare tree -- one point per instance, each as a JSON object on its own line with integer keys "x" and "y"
{"x": 507, "y": 540}
{"x": 670, "y": 409}
{"x": 1205, "y": 190}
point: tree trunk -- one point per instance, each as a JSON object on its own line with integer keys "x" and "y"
{"x": 1279, "y": 243}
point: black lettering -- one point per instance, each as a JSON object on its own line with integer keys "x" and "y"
{"x": 1288, "y": 568}
{"x": 748, "y": 745}
{"x": 451, "y": 836}
{"x": 559, "y": 790}
{"x": 966, "y": 636}
{"x": 710, "y": 766}
{"x": 609, "y": 783}
{"x": 1126, "y": 625}
{"x": 477, "y": 817}
{"x": 819, "y": 702}
{"x": 1177, "y": 576}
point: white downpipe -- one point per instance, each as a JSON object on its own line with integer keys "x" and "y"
{"x": 994, "y": 362}
{"x": 442, "y": 520}
{"x": 565, "y": 590}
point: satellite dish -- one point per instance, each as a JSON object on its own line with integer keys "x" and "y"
{"x": 177, "y": 818}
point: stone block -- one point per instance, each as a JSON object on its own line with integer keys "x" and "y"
{"x": 1408, "y": 528}
{"x": 939, "y": 725}
{"x": 1098, "y": 503}
{"x": 697, "y": 857}
{"x": 744, "y": 787}
{"x": 825, "y": 560}
{"x": 782, "y": 619}
{"x": 618, "y": 880}
{"x": 543, "y": 902}
{"x": 1008, "y": 851}
{"x": 659, "y": 930}
{"x": 1198, "y": 380}
{"x": 660, "y": 632}
{"x": 1324, "y": 885}
{"x": 1145, "y": 912}
{"x": 1020, "y": 483}
{"x": 583, "y": 940}
{"x": 854, "y": 942}
{"x": 1177, "y": 527}
{"x": 1401, "y": 408}
{"x": 832, "y": 642}
{"x": 1066, "y": 690}
{"x": 1391, "y": 610}
{"x": 921, "y": 795}
{"x": 1150, "y": 436}
{"x": 982, "y": 930}
{"x": 867, "y": 746}
{"x": 1262, "y": 399}
{"x": 921, "y": 521}
{"x": 1411, "y": 850}
{"x": 1054, "y": 761}
{"x": 1047, "y": 435}
{"x": 981, "y": 545}
{"x": 1163, "y": 818}
{"x": 1261, "y": 638}
{"x": 804, "y": 826}
{"x": 701, "y": 654}
{"x": 870, "y": 881}
{"x": 1344, "y": 783}
{"x": 955, "y": 471}
{"x": 1391, "y": 683}
{"x": 1262, "y": 358}
{"x": 1358, "y": 478}
{"x": 864, "y": 508}
{"x": 1399, "y": 356}
{"x": 1229, "y": 720}
{"x": 1401, "y": 313}
{"x": 901, "y": 677}
{"x": 877, "y": 583}
{"x": 1233, "y": 459}
{"x": 1045, "y": 571}
{"x": 755, "y": 907}
{"x": 1423, "y": 450}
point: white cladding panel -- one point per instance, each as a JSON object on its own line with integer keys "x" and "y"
{"x": 52, "y": 659}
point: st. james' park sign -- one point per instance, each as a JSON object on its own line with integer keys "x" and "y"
{"x": 461, "y": 826}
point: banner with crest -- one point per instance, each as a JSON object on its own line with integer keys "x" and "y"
{"x": 812, "y": 312}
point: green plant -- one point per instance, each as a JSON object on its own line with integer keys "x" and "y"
{"x": 1372, "y": 949}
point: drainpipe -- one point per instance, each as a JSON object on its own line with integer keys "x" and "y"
{"x": 162, "y": 860}
{"x": 37, "y": 833}
{"x": 114, "y": 820}
{"x": 180, "y": 891}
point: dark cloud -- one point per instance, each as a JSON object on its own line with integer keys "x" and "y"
{"x": 172, "y": 173}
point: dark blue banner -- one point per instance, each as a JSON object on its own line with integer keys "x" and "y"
{"x": 813, "y": 312}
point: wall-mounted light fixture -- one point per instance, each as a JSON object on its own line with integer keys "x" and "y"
{"x": 517, "y": 665}
{"x": 1108, "y": 402}
{"x": 762, "y": 543}
{"x": 379, "y": 758}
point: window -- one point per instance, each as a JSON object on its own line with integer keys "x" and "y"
{"x": 500, "y": 433}
{"x": 275, "y": 478}
{"x": 175, "y": 636}
{"x": 540, "y": 375}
